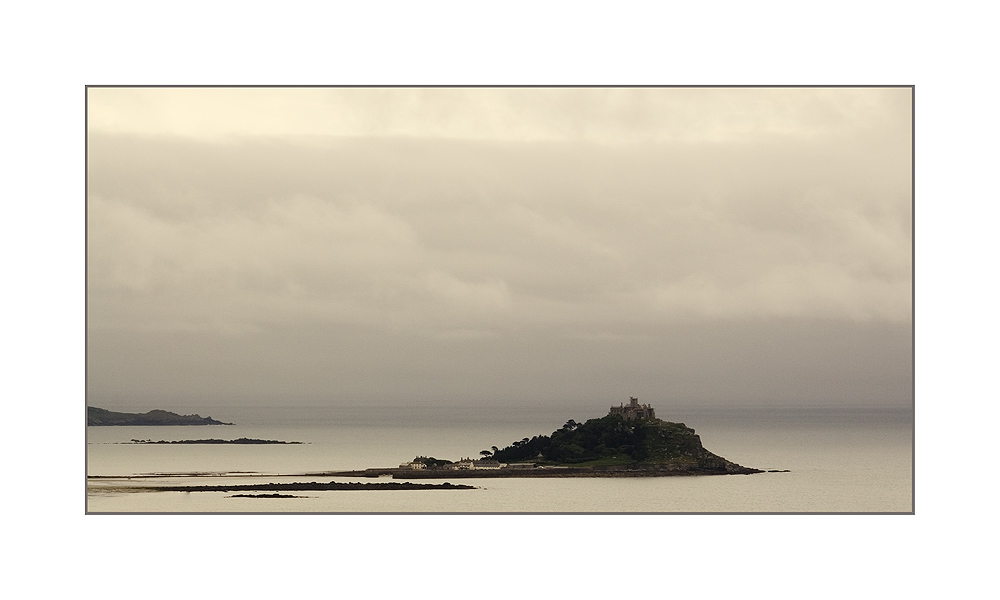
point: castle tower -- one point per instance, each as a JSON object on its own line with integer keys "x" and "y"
{"x": 633, "y": 410}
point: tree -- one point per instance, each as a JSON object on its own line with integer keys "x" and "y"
{"x": 485, "y": 453}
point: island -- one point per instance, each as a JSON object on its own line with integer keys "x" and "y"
{"x": 265, "y": 496}
{"x": 628, "y": 442}
{"x": 100, "y": 417}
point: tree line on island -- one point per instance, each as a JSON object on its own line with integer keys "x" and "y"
{"x": 609, "y": 440}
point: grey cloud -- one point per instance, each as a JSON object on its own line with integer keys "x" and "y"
{"x": 515, "y": 222}
{"x": 338, "y": 267}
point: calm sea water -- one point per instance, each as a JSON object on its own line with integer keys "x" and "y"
{"x": 839, "y": 461}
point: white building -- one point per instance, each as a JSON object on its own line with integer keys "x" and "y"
{"x": 487, "y": 464}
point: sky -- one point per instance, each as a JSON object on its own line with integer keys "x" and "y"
{"x": 499, "y": 246}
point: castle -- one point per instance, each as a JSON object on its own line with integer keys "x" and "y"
{"x": 633, "y": 410}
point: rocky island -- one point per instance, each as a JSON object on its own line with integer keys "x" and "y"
{"x": 99, "y": 417}
{"x": 628, "y": 442}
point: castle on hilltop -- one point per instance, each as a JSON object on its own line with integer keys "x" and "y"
{"x": 633, "y": 410}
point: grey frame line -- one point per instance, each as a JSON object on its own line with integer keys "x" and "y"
{"x": 913, "y": 304}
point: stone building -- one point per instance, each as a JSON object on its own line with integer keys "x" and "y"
{"x": 633, "y": 410}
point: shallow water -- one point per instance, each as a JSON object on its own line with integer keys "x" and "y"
{"x": 839, "y": 461}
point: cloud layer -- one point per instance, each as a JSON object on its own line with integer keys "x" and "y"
{"x": 622, "y": 217}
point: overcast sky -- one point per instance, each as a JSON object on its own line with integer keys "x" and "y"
{"x": 687, "y": 246}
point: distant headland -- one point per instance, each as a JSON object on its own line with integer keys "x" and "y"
{"x": 100, "y": 416}
{"x": 628, "y": 442}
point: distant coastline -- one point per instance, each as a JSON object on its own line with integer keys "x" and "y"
{"x": 99, "y": 417}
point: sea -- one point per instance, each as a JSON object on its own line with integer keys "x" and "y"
{"x": 838, "y": 460}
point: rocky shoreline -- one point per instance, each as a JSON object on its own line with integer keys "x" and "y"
{"x": 312, "y": 486}
{"x": 664, "y": 470}
{"x": 265, "y": 496}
